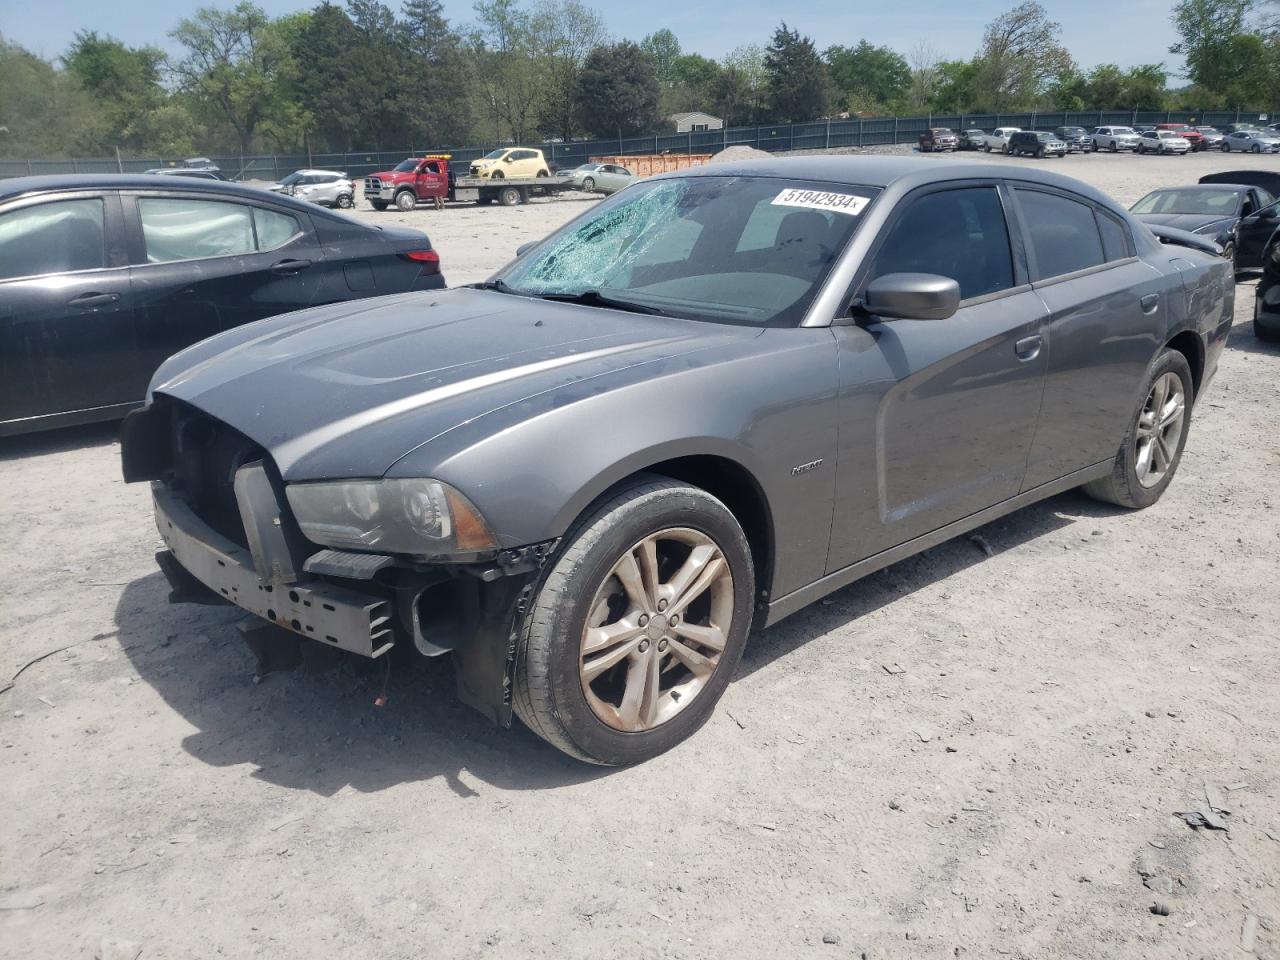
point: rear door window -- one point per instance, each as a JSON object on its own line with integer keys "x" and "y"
{"x": 1064, "y": 233}
{"x": 176, "y": 228}
{"x": 62, "y": 236}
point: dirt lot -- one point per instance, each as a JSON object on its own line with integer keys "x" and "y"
{"x": 1056, "y": 703}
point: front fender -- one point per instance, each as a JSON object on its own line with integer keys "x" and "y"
{"x": 766, "y": 404}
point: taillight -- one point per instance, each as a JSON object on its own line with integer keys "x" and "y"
{"x": 429, "y": 259}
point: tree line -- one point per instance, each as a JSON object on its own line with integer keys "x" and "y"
{"x": 369, "y": 76}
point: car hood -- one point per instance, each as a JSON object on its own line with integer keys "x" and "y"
{"x": 1190, "y": 222}
{"x": 347, "y": 390}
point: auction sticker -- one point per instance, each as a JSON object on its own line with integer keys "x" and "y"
{"x": 818, "y": 200}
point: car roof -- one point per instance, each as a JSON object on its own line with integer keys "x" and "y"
{"x": 1202, "y": 188}
{"x": 882, "y": 171}
{"x": 61, "y": 182}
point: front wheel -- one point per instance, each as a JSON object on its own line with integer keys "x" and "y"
{"x": 543, "y": 173}
{"x": 497, "y": 175}
{"x": 1152, "y": 449}
{"x": 639, "y": 625}
{"x": 986, "y": 147}
{"x": 1226, "y": 147}
{"x": 589, "y": 184}
{"x": 379, "y": 204}
{"x": 1257, "y": 148}
{"x": 406, "y": 201}
{"x": 1229, "y": 253}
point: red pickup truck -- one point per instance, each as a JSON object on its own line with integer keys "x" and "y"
{"x": 415, "y": 180}
{"x": 1186, "y": 132}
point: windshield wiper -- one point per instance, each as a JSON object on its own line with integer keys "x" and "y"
{"x": 500, "y": 286}
{"x": 594, "y": 298}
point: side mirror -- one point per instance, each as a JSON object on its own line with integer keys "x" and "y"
{"x": 526, "y": 247}
{"x": 912, "y": 296}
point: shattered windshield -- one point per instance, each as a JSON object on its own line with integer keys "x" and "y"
{"x": 752, "y": 250}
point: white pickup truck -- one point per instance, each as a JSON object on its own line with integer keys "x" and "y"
{"x": 998, "y": 139}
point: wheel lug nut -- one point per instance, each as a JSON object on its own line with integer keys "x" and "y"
{"x": 662, "y": 604}
{"x": 662, "y": 644}
{"x": 674, "y": 619}
{"x": 644, "y": 645}
{"x": 644, "y": 620}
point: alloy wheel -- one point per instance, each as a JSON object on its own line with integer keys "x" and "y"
{"x": 656, "y": 630}
{"x": 1160, "y": 426}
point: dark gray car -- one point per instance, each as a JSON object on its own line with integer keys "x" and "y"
{"x": 710, "y": 400}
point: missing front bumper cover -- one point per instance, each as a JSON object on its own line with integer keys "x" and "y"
{"x": 333, "y": 615}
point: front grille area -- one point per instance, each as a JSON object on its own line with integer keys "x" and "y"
{"x": 205, "y": 454}
{"x": 372, "y": 185}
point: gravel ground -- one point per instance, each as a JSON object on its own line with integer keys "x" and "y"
{"x": 962, "y": 756}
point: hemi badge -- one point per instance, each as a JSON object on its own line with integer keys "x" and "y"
{"x": 805, "y": 467}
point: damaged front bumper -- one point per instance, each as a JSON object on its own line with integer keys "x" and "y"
{"x": 332, "y": 614}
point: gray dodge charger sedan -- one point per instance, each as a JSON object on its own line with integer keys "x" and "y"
{"x": 708, "y": 401}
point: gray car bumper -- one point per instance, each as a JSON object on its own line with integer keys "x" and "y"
{"x": 333, "y": 615}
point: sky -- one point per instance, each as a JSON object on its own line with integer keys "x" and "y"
{"x": 1095, "y": 31}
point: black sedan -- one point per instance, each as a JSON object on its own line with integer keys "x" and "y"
{"x": 1239, "y": 217}
{"x": 103, "y": 277}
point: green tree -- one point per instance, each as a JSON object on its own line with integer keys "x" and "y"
{"x": 1019, "y": 58}
{"x": 1207, "y": 32}
{"x": 325, "y": 75}
{"x": 125, "y": 82}
{"x": 45, "y": 112}
{"x": 694, "y": 81}
{"x": 437, "y": 75}
{"x": 739, "y": 91}
{"x": 799, "y": 87}
{"x": 867, "y": 78}
{"x": 953, "y": 91}
{"x": 563, "y": 33}
{"x": 232, "y": 65}
{"x": 664, "y": 50}
{"x": 618, "y": 91}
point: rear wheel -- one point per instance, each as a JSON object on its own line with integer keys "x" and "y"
{"x": 1226, "y": 147}
{"x": 1229, "y": 253}
{"x": 345, "y": 201}
{"x": 509, "y": 196}
{"x": 543, "y": 173}
{"x": 639, "y": 625}
{"x": 406, "y": 200}
{"x": 1257, "y": 148}
{"x": 1152, "y": 449}
{"x": 589, "y": 184}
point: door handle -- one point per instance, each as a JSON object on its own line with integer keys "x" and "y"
{"x": 1150, "y": 302}
{"x": 287, "y": 268}
{"x": 1028, "y": 348}
{"x": 91, "y": 301}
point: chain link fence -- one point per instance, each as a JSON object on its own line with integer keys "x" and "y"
{"x": 815, "y": 135}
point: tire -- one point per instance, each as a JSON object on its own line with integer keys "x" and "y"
{"x": 406, "y": 200}
{"x": 497, "y": 175}
{"x": 483, "y": 201}
{"x": 1257, "y": 148}
{"x": 379, "y": 204}
{"x": 1004, "y": 148}
{"x": 1226, "y": 147}
{"x": 1229, "y": 253}
{"x": 345, "y": 201}
{"x": 1040, "y": 154}
{"x": 986, "y": 147}
{"x": 550, "y": 695}
{"x": 589, "y": 184}
{"x": 509, "y": 196}
{"x": 543, "y": 173}
{"x": 1268, "y": 331}
{"x": 1123, "y": 487}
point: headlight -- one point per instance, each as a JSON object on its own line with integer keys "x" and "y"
{"x": 424, "y": 518}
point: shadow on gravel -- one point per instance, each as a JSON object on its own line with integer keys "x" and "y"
{"x": 1243, "y": 338}
{"x": 925, "y": 569}
{"x": 321, "y": 731}
{"x": 59, "y": 441}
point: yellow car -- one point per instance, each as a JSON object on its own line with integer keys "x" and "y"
{"x": 509, "y": 163}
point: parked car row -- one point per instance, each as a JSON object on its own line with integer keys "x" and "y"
{"x": 1162, "y": 138}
